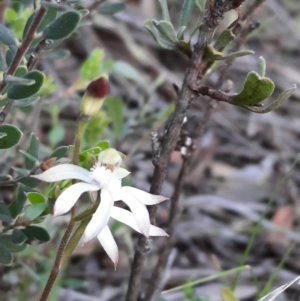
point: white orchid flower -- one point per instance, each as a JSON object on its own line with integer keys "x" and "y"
{"x": 106, "y": 176}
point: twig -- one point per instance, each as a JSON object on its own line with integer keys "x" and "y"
{"x": 160, "y": 266}
{"x": 2, "y": 10}
{"x": 192, "y": 78}
{"x": 19, "y": 56}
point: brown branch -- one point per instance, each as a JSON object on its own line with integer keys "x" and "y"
{"x": 192, "y": 78}
{"x": 2, "y": 10}
{"x": 219, "y": 96}
{"x": 20, "y": 54}
{"x": 163, "y": 257}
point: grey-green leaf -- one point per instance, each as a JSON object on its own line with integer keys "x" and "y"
{"x": 110, "y": 8}
{"x": 6, "y": 257}
{"x": 21, "y": 103}
{"x": 18, "y": 237}
{"x": 35, "y": 210}
{"x": 5, "y": 215}
{"x": 20, "y": 91}
{"x": 12, "y": 138}
{"x": 276, "y": 104}
{"x": 63, "y": 26}
{"x": 165, "y": 10}
{"x": 166, "y": 30}
{"x": 5, "y": 239}
{"x": 59, "y": 152}
{"x": 186, "y": 11}
{"x": 33, "y": 150}
{"x": 6, "y": 36}
{"x": 224, "y": 39}
{"x": 10, "y": 79}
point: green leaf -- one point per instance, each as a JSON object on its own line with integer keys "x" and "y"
{"x": 58, "y": 54}
{"x": 91, "y": 68}
{"x": 224, "y": 39}
{"x": 20, "y": 91}
{"x": 33, "y": 211}
{"x": 56, "y": 134}
{"x": 59, "y": 152}
{"x": 9, "y": 79}
{"x": 5, "y": 239}
{"x": 165, "y": 10}
{"x": 12, "y": 138}
{"x": 180, "y": 33}
{"x": 127, "y": 71}
{"x": 6, "y": 36}
{"x": 16, "y": 207}
{"x": 211, "y": 54}
{"x": 50, "y": 15}
{"x": 18, "y": 237}
{"x": 166, "y": 30}
{"x": 201, "y": 4}
{"x": 30, "y": 158}
{"x": 110, "y": 8}
{"x": 33, "y": 150}
{"x": 104, "y": 144}
{"x": 186, "y": 12}
{"x": 236, "y": 54}
{"x": 255, "y": 90}
{"x": 63, "y": 26}
{"x": 21, "y": 103}
{"x": 35, "y": 233}
{"x": 228, "y": 295}
{"x": 36, "y": 198}
{"x": 165, "y": 44}
{"x": 262, "y": 66}
{"x": 5, "y": 215}
{"x": 6, "y": 257}
{"x": 282, "y": 98}
{"x": 115, "y": 110}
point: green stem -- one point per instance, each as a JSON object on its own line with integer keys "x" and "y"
{"x": 56, "y": 267}
{"x": 61, "y": 258}
{"x": 78, "y": 136}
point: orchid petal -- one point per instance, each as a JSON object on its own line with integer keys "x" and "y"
{"x": 69, "y": 197}
{"x": 122, "y": 173}
{"x": 138, "y": 209}
{"x": 126, "y": 217}
{"x": 64, "y": 172}
{"x": 144, "y": 197}
{"x": 109, "y": 245}
{"x": 100, "y": 217}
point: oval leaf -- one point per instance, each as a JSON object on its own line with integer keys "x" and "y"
{"x": 6, "y": 257}
{"x": 9, "y": 79}
{"x": 33, "y": 211}
{"x": 255, "y": 90}
{"x": 12, "y": 138}
{"x": 36, "y": 233}
{"x": 36, "y": 198}
{"x": 20, "y": 91}
{"x": 110, "y": 8}
{"x": 6, "y": 240}
{"x": 18, "y": 237}
{"x": 6, "y": 36}
{"x": 63, "y": 26}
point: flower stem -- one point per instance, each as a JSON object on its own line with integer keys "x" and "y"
{"x": 56, "y": 267}
{"x": 78, "y": 136}
{"x": 61, "y": 258}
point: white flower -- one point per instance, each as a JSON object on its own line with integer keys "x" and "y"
{"x": 106, "y": 176}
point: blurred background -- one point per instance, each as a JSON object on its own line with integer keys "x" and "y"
{"x": 239, "y": 165}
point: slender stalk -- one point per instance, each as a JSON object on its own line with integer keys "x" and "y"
{"x": 56, "y": 267}
{"x": 2, "y": 10}
{"x": 65, "y": 240}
